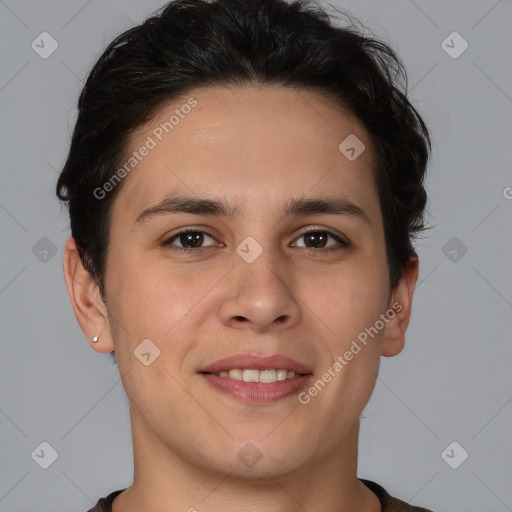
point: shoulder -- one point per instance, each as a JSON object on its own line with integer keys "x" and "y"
{"x": 105, "y": 504}
{"x": 390, "y": 504}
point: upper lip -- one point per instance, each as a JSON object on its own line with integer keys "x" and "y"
{"x": 244, "y": 361}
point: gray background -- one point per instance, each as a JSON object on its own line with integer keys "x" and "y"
{"x": 452, "y": 382}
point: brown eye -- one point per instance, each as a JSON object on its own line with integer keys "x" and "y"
{"x": 192, "y": 239}
{"x": 188, "y": 239}
{"x": 319, "y": 239}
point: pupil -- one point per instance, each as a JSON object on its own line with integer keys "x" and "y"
{"x": 191, "y": 238}
{"x": 316, "y": 238}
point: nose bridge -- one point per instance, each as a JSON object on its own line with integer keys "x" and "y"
{"x": 260, "y": 292}
{"x": 259, "y": 270}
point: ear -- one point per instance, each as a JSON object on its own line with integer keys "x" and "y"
{"x": 401, "y": 303}
{"x": 88, "y": 306}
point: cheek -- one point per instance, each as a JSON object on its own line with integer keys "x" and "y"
{"x": 159, "y": 301}
{"x": 350, "y": 298}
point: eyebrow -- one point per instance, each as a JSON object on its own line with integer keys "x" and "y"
{"x": 213, "y": 207}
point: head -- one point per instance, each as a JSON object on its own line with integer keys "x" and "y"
{"x": 247, "y": 104}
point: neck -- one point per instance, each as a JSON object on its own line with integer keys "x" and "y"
{"x": 165, "y": 481}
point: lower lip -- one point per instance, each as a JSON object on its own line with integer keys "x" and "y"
{"x": 257, "y": 392}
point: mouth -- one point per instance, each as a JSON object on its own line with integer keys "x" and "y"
{"x": 266, "y": 376}
{"x": 257, "y": 380}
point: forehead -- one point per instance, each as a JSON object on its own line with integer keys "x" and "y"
{"x": 248, "y": 145}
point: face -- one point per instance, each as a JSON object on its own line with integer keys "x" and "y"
{"x": 284, "y": 258}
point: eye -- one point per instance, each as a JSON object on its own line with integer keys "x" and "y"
{"x": 319, "y": 239}
{"x": 191, "y": 240}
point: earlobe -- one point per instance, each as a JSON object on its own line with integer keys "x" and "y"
{"x": 90, "y": 311}
{"x": 401, "y": 304}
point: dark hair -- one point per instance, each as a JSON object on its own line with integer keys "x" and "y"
{"x": 195, "y": 43}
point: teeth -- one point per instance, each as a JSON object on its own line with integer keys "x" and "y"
{"x": 252, "y": 375}
{"x": 268, "y": 375}
{"x": 236, "y": 374}
{"x": 281, "y": 374}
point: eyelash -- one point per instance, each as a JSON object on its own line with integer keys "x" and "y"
{"x": 198, "y": 250}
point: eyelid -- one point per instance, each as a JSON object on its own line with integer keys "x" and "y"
{"x": 168, "y": 241}
{"x": 315, "y": 228}
{"x": 190, "y": 229}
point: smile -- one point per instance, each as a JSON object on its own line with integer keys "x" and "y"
{"x": 254, "y": 375}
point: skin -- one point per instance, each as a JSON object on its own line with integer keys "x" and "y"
{"x": 256, "y": 148}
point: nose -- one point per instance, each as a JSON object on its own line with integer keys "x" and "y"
{"x": 260, "y": 296}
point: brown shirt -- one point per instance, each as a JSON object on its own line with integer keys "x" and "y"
{"x": 388, "y": 503}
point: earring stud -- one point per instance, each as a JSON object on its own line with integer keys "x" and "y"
{"x": 95, "y": 339}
